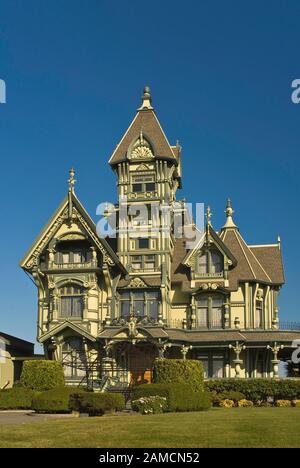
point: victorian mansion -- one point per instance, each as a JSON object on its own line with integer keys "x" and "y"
{"x": 109, "y": 306}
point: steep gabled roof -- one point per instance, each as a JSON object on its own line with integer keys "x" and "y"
{"x": 270, "y": 258}
{"x": 75, "y": 327}
{"x": 217, "y": 241}
{"x": 248, "y": 266}
{"x": 146, "y": 122}
{"x": 54, "y": 224}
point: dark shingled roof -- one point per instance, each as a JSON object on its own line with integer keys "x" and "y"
{"x": 151, "y": 281}
{"x": 248, "y": 266}
{"x": 179, "y": 272}
{"x": 271, "y": 259}
{"x": 227, "y": 336}
{"x": 146, "y": 121}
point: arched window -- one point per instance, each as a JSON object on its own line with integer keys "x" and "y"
{"x": 73, "y": 358}
{"x": 209, "y": 262}
{"x": 71, "y": 301}
{"x": 209, "y": 311}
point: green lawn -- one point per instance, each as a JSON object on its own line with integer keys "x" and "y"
{"x": 239, "y": 427}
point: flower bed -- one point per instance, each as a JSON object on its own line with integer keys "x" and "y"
{"x": 150, "y": 405}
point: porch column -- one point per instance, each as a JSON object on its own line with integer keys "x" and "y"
{"x": 184, "y": 350}
{"x": 237, "y": 348}
{"x": 275, "y": 361}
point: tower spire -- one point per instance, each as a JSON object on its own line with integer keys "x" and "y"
{"x": 146, "y": 99}
{"x": 229, "y": 212}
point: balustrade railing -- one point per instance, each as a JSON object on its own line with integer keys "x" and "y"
{"x": 234, "y": 325}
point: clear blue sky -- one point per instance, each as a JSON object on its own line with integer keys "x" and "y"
{"x": 220, "y": 74}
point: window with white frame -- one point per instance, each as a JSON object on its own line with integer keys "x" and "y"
{"x": 213, "y": 364}
{"x": 71, "y": 301}
{"x": 140, "y": 303}
{"x": 209, "y": 262}
{"x": 142, "y": 262}
{"x": 143, "y": 183}
{"x": 209, "y": 311}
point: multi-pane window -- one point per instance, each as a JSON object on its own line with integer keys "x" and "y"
{"x": 210, "y": 262}
{"x": 74, "y": 359}
{"x": 75, "y": 256}
{"x": 143, "y": 262}
{"x": 139, "y": 303}
{"x": 143, "y": 183}
{"x": 71, "y": 301}
{"x": 209, "y": 311}
{"x": 213, "y": 364}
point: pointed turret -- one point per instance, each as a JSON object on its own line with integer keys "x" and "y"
{"x": 147, "y": 124}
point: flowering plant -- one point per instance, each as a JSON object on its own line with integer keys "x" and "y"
{"x": 150, "y": 405}
{"x": 283, "y": 403}
{"x": 245, "y": 403}
{"x": 227, "y": 403}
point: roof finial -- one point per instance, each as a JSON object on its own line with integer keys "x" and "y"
{"x": 72, "y": 180}
{"x": 146, "y": 99}
{"x": 229, "y": 212}
{"x": 208, "y": 216}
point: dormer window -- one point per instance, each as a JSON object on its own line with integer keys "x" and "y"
{"x": 210, "y": 262}
{"x": 72, "y": 252}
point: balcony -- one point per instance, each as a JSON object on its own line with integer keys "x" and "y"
{"x": 70, "y": 266}
{"x": 281, "y": 326}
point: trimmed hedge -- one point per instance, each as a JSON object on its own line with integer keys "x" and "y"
{"x": 96, "y": 404}
{"x": 185, "y": 371}
{"x": 16, "y": 398}
{"x": 56, "y": 400}
{"x": 257, "y": 389}
{"x": 180, "y": 397}
{"x": 42, "y": 375}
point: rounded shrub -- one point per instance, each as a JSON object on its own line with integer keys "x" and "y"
{"x": 185, "y": 371}
{"x": 227, "y": 403}
{"x": 96, "y": 404}
{"x": 42, "y": 375}
{"x": 245, "y": 403}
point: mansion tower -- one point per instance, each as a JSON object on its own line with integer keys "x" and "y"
{"x": 158, "y": 287}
